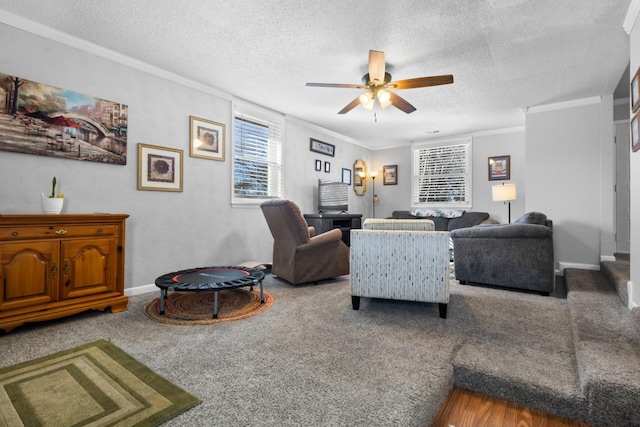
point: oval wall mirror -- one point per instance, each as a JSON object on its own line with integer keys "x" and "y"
{"x": 360, "y": 177}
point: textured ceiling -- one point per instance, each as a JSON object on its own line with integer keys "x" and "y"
{"x": 505, "y": 55}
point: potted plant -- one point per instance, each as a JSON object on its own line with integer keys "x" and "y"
{"x": 52, "y": 204}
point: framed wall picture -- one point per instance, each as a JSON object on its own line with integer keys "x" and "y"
{"x": 322, "y": 147}
{"x": 635, "y": 91}
{"x": 327, "y": 167}
{"x": 159, "y": 168}
{"x": 51, "y": 121}
{"x": 499, "y": 168}
{"x": 390, "y": 175}
{"x": 346, "y": 176}
{"x": 635, "y": 131}
{"x": 318, "y": 165}
{"x": 207, "y": 139}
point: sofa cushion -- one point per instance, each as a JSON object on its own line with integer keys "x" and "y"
{"x": 469, "y": 219}
{"x": 532, "y": 218}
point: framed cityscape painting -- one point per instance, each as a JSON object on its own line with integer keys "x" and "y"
{"x": 45, "y": 120}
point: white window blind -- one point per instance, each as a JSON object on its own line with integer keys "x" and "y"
{"x": 442, "y": 175}
{"x": 257, "y": 158}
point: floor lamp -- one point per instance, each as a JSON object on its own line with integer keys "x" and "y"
{"x": 504, "y": 193}
{"x": 375, "y": 198}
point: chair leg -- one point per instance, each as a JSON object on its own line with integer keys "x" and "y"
{"x": 443, "y": 310}
{"x": 355, "y": 302}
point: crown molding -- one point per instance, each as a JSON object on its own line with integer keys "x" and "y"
{"x": 326, "y": 131}
{"x": 68, "y": 40}
{"x": 632, "y": 16}
{"x": 564, "y": 105}
{"x": 621, "y": 101}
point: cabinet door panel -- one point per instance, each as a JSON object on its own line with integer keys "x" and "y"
{"x": 88, "y": 268}
{"x": 28, "y": 273}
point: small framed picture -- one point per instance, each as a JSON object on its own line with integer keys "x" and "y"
{"x": 346, "y": 176}
{"x": 635, "y": 92}
{"x": 318, "y": 165}
{"x": 390, "y": 175}
{"x": 207, "y": 139}
{"x": 327, "y": 167}
{"x": 322, "y": 147}
{"x": 159, "y": 168}
{"x": 499, "y": 168}
{"x": 635, "y": 132}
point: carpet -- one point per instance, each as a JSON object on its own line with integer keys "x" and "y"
{"x": 96, "y": 383}
{"x": 196, "y": 308}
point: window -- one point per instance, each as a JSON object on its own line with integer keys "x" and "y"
{"x": 442, "y": 174}
{"x": 257, "y": 157}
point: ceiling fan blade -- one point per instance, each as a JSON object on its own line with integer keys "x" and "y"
{"x": 353, "y": 104}
{"x": 422, "y": 82}
{"x": 376, "y": 66}
{"x": 401, "y": 103}
{"x": 340, "y": 85}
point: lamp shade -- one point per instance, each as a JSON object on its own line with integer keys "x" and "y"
{"x": 504, "y": 192}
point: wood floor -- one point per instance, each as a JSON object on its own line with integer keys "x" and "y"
{"x": 465, "y": 408}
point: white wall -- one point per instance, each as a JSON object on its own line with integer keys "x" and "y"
{"x": 166, "y": 230}
{"x": 564, "y": 176}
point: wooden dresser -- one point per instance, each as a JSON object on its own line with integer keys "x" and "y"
{"x": 52, "y": 266}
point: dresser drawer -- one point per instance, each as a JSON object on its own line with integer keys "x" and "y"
{"x": 58, "y": 231}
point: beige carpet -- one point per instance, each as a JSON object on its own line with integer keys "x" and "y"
{"x": 95, "y": 384}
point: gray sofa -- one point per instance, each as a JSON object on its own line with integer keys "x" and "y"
{"x": 517, "y": 255}
{"x": 442, "y": 223}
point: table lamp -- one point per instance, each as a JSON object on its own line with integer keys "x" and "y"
{"x": 504, "y": 193}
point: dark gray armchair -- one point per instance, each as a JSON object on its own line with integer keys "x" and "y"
{"x": 517, "y": 255}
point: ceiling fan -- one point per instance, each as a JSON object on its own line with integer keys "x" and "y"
{"x": 377, "y": 84}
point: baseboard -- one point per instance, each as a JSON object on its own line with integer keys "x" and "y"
{"x": 563, "y": 265}
{"x": 631, "y": 296}
{"x": 139, "y": 290}
{"x": 607, "y": 258}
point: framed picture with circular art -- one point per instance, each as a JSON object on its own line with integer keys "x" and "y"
{"x": 207, "y": 139}
{"x": 159, "y": 168}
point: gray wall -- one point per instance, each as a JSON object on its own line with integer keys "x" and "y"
{"x": 634, "y": 289}
{"x": 565, "y": 175}
{"x": 504, "y": 142}
{"x": 166, "y": 230}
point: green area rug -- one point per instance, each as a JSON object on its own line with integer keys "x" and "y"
{"x": 97, "y": 384}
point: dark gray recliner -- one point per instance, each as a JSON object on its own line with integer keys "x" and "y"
{"x": 517, "y": 255}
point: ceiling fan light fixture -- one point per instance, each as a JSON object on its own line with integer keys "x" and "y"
{"x": 366, "y": 98}
{"x": 384, "y": 97}
{"x": 369, "y": 105}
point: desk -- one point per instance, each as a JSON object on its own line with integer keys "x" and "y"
{"x": 209, "y": 279}
{"x": 326, "y": 222}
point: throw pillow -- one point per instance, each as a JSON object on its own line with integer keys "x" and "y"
{"x": 531, "y": 218}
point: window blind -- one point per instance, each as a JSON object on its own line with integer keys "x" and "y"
{"x": 257, "y": 160}
{"x": 442, "y": 175}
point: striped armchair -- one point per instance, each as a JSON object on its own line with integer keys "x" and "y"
{"x": 401, "y": 260}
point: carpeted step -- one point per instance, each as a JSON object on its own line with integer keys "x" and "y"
{"x": 534, "y": 377}
{"x": 617, "y": 274}
{"x": 517, "y": 346}
{"x": 607, "y": 344}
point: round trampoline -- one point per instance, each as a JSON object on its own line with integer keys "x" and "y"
{"x": 209, "y": 279}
